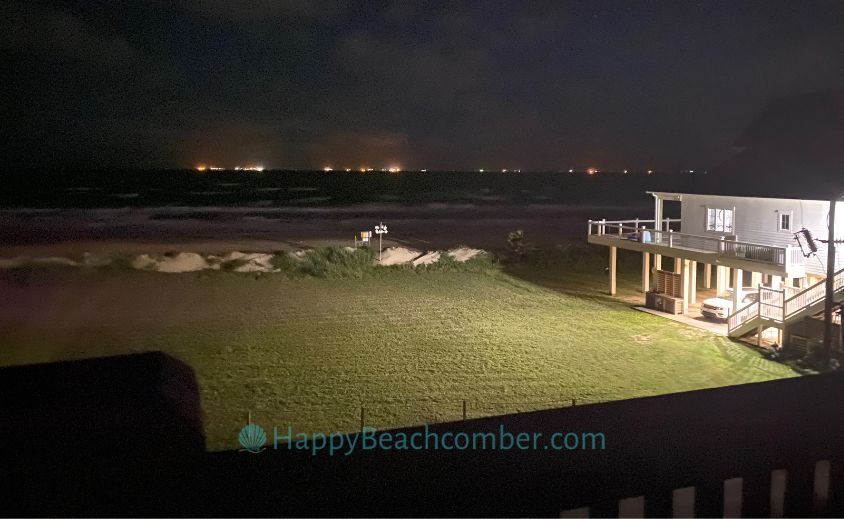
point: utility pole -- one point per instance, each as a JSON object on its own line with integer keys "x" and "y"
{"x": 830, "y": 285}
{"x": 841, "y": 323}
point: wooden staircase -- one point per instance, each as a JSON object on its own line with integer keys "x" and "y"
{"x": 774, "y": 310}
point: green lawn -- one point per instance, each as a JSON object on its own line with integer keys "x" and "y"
{"x": 408, "y": 346}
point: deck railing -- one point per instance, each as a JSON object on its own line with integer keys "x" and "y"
{"x": 754, "y": 252}
{"x": 795, "y": 256}
{"x": 637, "y": 230}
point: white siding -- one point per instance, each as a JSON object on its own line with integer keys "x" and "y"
{"x": 756, "y": 220}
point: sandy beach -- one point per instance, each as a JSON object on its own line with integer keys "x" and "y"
{"x": 51, "y": 232}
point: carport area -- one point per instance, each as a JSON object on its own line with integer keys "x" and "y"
{"x": 694, "y": 317}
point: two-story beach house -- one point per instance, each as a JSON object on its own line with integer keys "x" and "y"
{"x": 736, "y": 243}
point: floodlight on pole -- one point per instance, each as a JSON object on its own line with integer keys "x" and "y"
{"x": 380, "y": 229}
{"x": 806, "y": 241}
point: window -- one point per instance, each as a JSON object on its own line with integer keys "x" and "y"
{"x": 719, "y": 220}
{"x": 785, "y": 218}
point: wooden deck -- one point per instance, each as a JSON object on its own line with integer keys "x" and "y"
{"x": 751, "y": 257}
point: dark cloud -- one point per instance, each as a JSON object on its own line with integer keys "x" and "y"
{"x": 52, "y": 35}
{"x": 543, "y": 85}
{"x": 269, "y": 11}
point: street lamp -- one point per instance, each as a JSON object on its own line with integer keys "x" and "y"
{"x": 379, "y": 230}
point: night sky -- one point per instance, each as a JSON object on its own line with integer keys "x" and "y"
{"x": 438, "y": 85}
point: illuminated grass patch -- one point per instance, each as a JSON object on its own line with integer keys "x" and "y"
{"x": 409, "y": 346}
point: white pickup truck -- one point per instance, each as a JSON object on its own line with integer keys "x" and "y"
{"x": 721, "y": 306}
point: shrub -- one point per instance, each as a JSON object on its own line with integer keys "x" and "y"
{"x": 284, "y": 262}
{"x": 231, "y": 265}
{"x": 519, "y": 246}
{"x": 484, "y": 262}
{"x": 121, "y": 261}
{"x": 575, "y": 257}
{"x": 333, "y": 262}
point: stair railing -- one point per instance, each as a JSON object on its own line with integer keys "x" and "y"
{"x": 811, "y": 295}
{"x": 743, "y": 315}
{"x": 771, "y": 303}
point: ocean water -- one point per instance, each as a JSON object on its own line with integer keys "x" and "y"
{"x": 317, "y": 189}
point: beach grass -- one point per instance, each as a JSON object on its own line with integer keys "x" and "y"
{"x": 408, "y": 346}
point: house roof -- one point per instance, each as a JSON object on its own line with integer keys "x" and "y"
{"x": 664, "y": 195}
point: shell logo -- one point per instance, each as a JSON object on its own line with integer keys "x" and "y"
{"x": 252, "y": 438}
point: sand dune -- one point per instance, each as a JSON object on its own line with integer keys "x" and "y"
{"x": 398, "y": 256}
{"x": 236, "y": 261}
{"x": 464, "y": 254}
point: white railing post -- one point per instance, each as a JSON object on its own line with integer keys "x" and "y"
{"x": 782, "y": 304}
{"x": 602, "y": 227}
{"x": 670, "y": 238}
